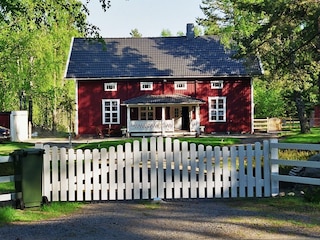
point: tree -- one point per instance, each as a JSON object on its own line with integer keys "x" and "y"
{"x": 135, "y": 33}
{"x": 166, "y": 33}
{"x": 284, "y": 34}
{"x": 34, "y": 43}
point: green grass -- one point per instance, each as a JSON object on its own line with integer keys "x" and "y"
{"x": 213, "y": 141}
{"x": 7, "y": 187}
{"x": 8, "y": 147}
{"x": 295, "y": 136}
{"x": 53, "y": 210}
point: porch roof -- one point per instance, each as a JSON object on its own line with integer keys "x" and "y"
{"x": 163, "y": 99}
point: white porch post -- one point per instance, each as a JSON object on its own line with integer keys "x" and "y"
{"x": 163, "y": 120}
{"x": 198, "y": 119}
{"x": 128, "y": 121}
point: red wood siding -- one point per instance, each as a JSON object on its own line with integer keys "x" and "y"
{"x": 237, "y": 92}
{"x": 5, "y": 119}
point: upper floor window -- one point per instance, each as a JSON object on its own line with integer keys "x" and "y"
{"x": 110, "y": 111}
{"x": 216, "y": 84}
{"x": 146, "y": 86}
{"x": 112, "y": 86}
{"x": 217, "y": 109}
{"x": 180, "y": 85}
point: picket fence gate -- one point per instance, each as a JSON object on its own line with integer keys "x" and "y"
{"x": 156, "y": 168}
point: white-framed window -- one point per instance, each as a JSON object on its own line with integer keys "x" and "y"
{"x": 110, "y": 111}
{"x": 146, "y": 113}
{"x": 146, "y": 86}
{"x": 111, "y": 86}
{"x": 180, "y": 85}
{"x": 217, "y": 109}
{"x": 216, "y": 84}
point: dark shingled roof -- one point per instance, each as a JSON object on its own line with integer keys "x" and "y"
{"x": 163, "y": 99}
{"x": 155, "y": 57}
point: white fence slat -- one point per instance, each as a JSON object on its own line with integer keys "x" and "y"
{"x": 120, "y": 173}
{"x": 274, "y": 168}
{"x": 129, "y": 168}
{"x": 169, "y": 162}
{"x": 8, "y": 197}
{"x": 210, "y": 179}
{"x": 153, "y": 168}
{"x": 136, "y": 170}
{"x": 233, "y": 168}
{"x": 250, "y": 179}
{"x": 225, "y": 172}
{"x": 71, "y": 175}
{"x": 112, "y": 173}
{"x": 105, "y": 186}
{"x": 80, "y": 175}
{"x": 296, "y": 163}
{"x": 63, "y": 174}
{"x": 177, "y": 162}
{"x": 258, "y": 177}
{"x": 193, "y": 168}
{"x": 242, "y": 177}
{"x": 46, "y": 173}
{"x": 295, "y": 179}
{"x": 201, "y": 174}
{"x": 88, "y": 174}
{"x": 266, "y": 169}
{"x": 4, "y": 159}
{"x": 5, "y": 179}
{"x": 96, "y": 174}
{"x": 185, "y": 172}
{"x": 55, "y": 174}
{"x": 217, "y": 172}
{"x": 296, "y": 146}
{"x": 160, "y": 152}
{"x": 145, "y": 173}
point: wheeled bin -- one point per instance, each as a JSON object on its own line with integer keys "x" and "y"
{"x": 28, "y": 164}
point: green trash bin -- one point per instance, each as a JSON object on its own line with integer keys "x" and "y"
{"x": 28, "y": 164}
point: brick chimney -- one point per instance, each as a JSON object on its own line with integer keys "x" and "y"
{"x": 190, "y": 31}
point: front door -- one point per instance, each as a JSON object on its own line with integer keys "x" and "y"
{"x": 185, "y": 118}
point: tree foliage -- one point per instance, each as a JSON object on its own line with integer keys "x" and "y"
{"x": 283, "y": 33}
{"x": 35, "y": 38}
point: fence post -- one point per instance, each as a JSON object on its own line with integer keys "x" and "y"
{"x": 274, "y": 154}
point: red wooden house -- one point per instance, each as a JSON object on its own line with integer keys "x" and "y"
{"x": 160, "y": 86}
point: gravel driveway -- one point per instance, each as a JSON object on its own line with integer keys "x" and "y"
{"x": 187, "y": 219}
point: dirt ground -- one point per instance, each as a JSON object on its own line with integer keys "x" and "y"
{"x": 183, "y": 219}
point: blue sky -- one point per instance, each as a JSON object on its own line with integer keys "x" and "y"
{"x": 150, "y": 17}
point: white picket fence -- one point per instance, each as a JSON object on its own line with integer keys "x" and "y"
{"x": 166, "y": 169}
{"x": 161, "y": 168}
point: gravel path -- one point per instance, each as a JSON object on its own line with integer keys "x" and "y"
{"x": 189, "y": 219}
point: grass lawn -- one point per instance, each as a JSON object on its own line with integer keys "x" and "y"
{"x": 295, "y": 136}
{"x": 8, "y": 147}
{"x": 213, "y": 141}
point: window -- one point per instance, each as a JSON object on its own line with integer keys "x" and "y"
{"x": 146, "y": 86}
{"x": 146, "y": 113}
{"x": 111, "y": 111}
{"x": 110, "y": 86}
{"x": 217, "y": 109}
{"x": 217, "y": 84}
{"x": 180, "y": 85}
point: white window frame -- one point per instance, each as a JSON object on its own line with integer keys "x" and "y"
{"x": 114, "y": 110}
{"x": 217, "y": 109}
{"x": 144, "y": 86}
{"x": 110, "y": 86}
{"x": 180, "y": 85}
{"x": 216, "y": 84}
{"x": 147, "y": 113}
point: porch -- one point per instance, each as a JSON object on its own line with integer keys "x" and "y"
{"x": 163, "y": 115}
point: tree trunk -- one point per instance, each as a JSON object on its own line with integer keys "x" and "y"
{"x": 304, "y": 125}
